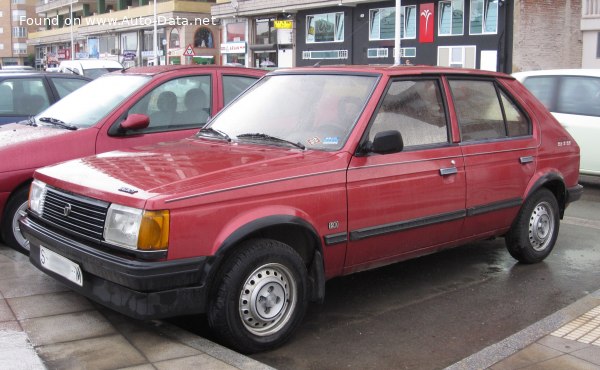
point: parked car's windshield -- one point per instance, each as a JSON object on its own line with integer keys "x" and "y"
{"x": 87, "y": 105}
{"x": 315, "y": 111}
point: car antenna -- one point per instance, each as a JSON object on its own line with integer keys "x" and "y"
{"x": 317, "y": 64}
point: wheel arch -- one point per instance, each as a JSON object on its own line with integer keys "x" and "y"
{"x": 19, "y": 187}
{"x": 554, "y": 182}
{"x": 294, "y": 231}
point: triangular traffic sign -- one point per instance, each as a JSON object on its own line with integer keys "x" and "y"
{"x": 189, "y": 51}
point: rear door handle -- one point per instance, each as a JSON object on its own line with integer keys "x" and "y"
{"x": 525, "y": 160}
{"x": 448, "y": 171}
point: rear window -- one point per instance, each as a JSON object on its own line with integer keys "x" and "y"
{"x": 579, "y": 95}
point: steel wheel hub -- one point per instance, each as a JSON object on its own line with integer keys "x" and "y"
{"x": 541, "y": 226}
{"x": 16, "y": 228}
{"x": 268, "y": 299}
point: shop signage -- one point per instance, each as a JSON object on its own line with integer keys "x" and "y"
{"x": 426, "y": 23}
{"x": 284, "y": 24}
{"x": 129, "y": 55}
{"x": 234, "y": 47}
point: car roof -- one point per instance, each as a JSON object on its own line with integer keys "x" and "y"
{"x": 155, "y": 70}
{"x": 93, "y": 63}
{"x": 559, "y": 72}
{"x": 392, "y": 70}
{"x": 40, "y": 73}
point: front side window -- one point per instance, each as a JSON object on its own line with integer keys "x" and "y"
{"x": 234, "y": 86}
{"x": 416, "y": 110}
{"x": 450, "y": 22}
{"x": 65, "y": 86}
{"x": 327, "y": 27}
{"x": 177, "y": 104}
{"x": 579, "y": 95}
{"x": 382, "y": 23}
{"x": 484, "y": 17}
{"x": 316, "y": 111}
{"x": 485, "y": 112}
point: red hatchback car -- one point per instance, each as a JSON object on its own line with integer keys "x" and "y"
{"x": 139, "y": 106}
{"x": 311, "y": 174}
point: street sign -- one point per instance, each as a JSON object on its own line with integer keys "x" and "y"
{"x": 189, "y": 51}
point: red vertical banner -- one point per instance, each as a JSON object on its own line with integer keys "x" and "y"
{"x": 426, "y": 23}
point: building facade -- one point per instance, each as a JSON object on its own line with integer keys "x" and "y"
{"x": 14, "y": 49}
{"x": 590, "y": 28}
{"x": 123, "y": 30}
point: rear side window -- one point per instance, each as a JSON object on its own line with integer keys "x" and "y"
{"x": 579, "y": 95}
{"x": 234, "y": 86}
{"x": 485, "y": 112}
{"x": 415, "y": 109}
{"x": 65, "y": 86}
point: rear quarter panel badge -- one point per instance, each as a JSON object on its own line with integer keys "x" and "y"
{"x": 127, "y": 190}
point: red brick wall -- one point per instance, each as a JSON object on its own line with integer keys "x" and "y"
{"x": 547, "y": 34}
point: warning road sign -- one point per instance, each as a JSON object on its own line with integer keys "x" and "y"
{"x": 189, "y": 51}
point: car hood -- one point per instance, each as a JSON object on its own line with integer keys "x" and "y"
{"x": 181, "y": 169}
{"x": 14, "y": 133}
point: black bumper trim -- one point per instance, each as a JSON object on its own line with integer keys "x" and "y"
{"x": 140, "y": 289}
{"x": 574, "y": 193}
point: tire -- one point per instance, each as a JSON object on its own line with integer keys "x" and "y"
{"x": 260, "y": 296}
{"x": 11, "y": 232}
{"x": 535, "y": 230}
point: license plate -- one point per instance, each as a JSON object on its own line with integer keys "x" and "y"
{"x": 62, "y": 266}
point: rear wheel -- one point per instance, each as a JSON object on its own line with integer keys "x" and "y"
{"x": 16, "y": 208}
{"x": 260, "y": 297}
{"x": 534, "y": 232}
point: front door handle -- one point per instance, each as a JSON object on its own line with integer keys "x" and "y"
{"x": 448, "y": 171}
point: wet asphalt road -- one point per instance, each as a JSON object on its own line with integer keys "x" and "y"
{"x": 433, "y": 311}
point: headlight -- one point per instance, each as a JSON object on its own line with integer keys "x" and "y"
{"x": 134, "y": 228}
{"x": 37, "y": 195}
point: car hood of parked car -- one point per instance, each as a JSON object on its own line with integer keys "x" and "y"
{"x": 189, "y": 168}
{"x": 16, "y": 133}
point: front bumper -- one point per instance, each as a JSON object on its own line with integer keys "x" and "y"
{"x": 574, "y": 193}
{"x": 140, "y": 289}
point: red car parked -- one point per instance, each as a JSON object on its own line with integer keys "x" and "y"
{"x": 139, "y": 106}
{"x": 311, "y": 174}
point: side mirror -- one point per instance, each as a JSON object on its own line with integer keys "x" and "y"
{"x": 387, "y": 142}
{"x": 135, "y": 121}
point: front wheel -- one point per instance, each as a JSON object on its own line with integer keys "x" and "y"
{"x": 260, "y": 296}
{"x": 534, "y": 232}
{"x": 16, "y": 208}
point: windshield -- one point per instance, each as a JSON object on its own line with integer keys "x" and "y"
{"x": 317, "y": 111}
{"x": 89, "y": 104}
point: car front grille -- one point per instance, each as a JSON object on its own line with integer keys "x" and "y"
{"x": 75, "y": 213}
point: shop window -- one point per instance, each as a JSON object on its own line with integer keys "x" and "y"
{"x": 236, "y": 32}
{"x": 484, "y": 17}
{"x": 382, "y": 23}
{"x": 203, "y": 38}
{"x": 327, "y": 27}
{"x": 450, "y": 22}
{"x": 174, "y": 38}
{"x": 265, "y": 32}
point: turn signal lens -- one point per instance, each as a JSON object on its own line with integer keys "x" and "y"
{"x": 154, "y": 231}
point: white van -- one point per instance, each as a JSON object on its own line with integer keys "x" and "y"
{"x": 92, "y": 68}
{"x": 573, "y": 97}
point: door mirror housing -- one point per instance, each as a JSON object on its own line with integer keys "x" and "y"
{"x": 135, "y": 121}
{"x": 386, "y": 142}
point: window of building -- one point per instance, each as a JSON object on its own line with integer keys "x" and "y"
{"x": 485, "y": 112}
{"x": 17, "y": 14}
{"x": 19, "y": 32}
{"x": 484, "y": 17}
{"x": 325, "y": 54}
{"x": 414, "y": 108}
{"x": 265, "y": 32}
{"x": 174, "y": 38}
{"x": 382, "y": 23}
{"x": 1, "y": 46}
{"x": 1, "y": 30}
{"x": 236, "y": 31}
{"x": 327, "y": 27}
{"x": 377, "y": 53}
{"x": 18, "y": 1}
{"x": 450, "y": 22}
{"x": 457, "y": 56}
{"x": 597, "y": 47}
{"x": 20, "y": 48}
{"x": 203, "y": 38}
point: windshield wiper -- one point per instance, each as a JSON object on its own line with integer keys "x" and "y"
{"x": 30, "y": 121}
{"x": 214, "y": 133}
{"x": 57, "y": 122}
{"x": 272, "y": 138}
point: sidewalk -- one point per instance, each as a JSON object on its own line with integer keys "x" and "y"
{"x": 34, "y": 306}
{"x": 45, "y": 325}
